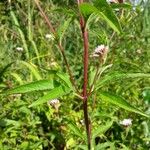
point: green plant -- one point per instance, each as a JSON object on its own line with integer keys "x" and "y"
{"x": 59, "y": 84}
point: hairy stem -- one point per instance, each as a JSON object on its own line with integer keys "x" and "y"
{"x": 59, "y": 44}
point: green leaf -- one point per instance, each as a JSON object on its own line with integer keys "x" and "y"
{"x": 121, "y": 5}
{"x": 33, "y": 86}
{"x": 108, "y": 14}
{"x": 76, "y": 130}
{"x": 119, "y": 76}
{"x": 119, "y": 101}
{"x": 87, "y": 9}
{"x": 82, "y": 147}
{"x": 104, "y": 11}
{"x": 104, "y": 146}
{"x": 102, "y": 129}
{"x": 65, "y": 78}
{"x": 53, "y": 94}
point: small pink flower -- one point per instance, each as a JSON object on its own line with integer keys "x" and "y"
{"x": 101, "y": 52}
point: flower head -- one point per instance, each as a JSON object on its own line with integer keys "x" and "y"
{"x": 82, "y": 122}
{"x": 112, "y": 1}
{"x": 54, "y": 103}
{"x": 49, "y": 36}
{"x": 19, "y": 49}
{"x": 101, "y": 52}
{"x": 126, "y": 122}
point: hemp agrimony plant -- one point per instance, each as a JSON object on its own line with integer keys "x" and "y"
{"x": 84, "y": 12}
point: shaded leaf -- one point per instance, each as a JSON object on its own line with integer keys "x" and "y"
{"x": 121, "y": 5}
{"x": 102, "y": 129}
{"x": 76, "y": 130}
{"x": 63, "y": 28}
{"x": 4, "y": 69}
{"x": 104, "y": 146}
{"x": 119, "y": 101}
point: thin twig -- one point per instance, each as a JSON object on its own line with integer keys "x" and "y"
{"x": 94, "y": 80}
{"x": 59, "y": 44}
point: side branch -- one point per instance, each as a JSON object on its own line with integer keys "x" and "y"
{"x": 59, "y": 44}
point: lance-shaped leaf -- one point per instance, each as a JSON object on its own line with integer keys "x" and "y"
{"x": 119, "y": 101}
{"x": 30, "y": 87}
{"x": 53, "y": 94}
{"x": 119, "y": 76}
{"x": 104, "y": 11}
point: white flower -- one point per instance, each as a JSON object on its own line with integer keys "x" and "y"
{"x": 139, "y": 51}
{"x": 112, "y": 1}
{"x": 19, "y": 49}
{"x": 82, "y": 122}
{"x": 49, "y": 36}
{"x": 126, "y": 122}
{"x": 55, "y": 103}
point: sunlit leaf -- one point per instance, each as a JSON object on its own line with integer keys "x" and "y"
{"x": 30, "y": 87}
{"x": 53, "y": 94}
{"x": 121, "y": 5}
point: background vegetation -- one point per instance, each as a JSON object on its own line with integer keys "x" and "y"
{"x": 28, "y": 52}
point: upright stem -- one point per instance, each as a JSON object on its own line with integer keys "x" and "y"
{"x": 85, "y": 94}
{"x": 85, "y": 61}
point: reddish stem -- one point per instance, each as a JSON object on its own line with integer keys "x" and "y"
{"x": 85, "y": 84}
